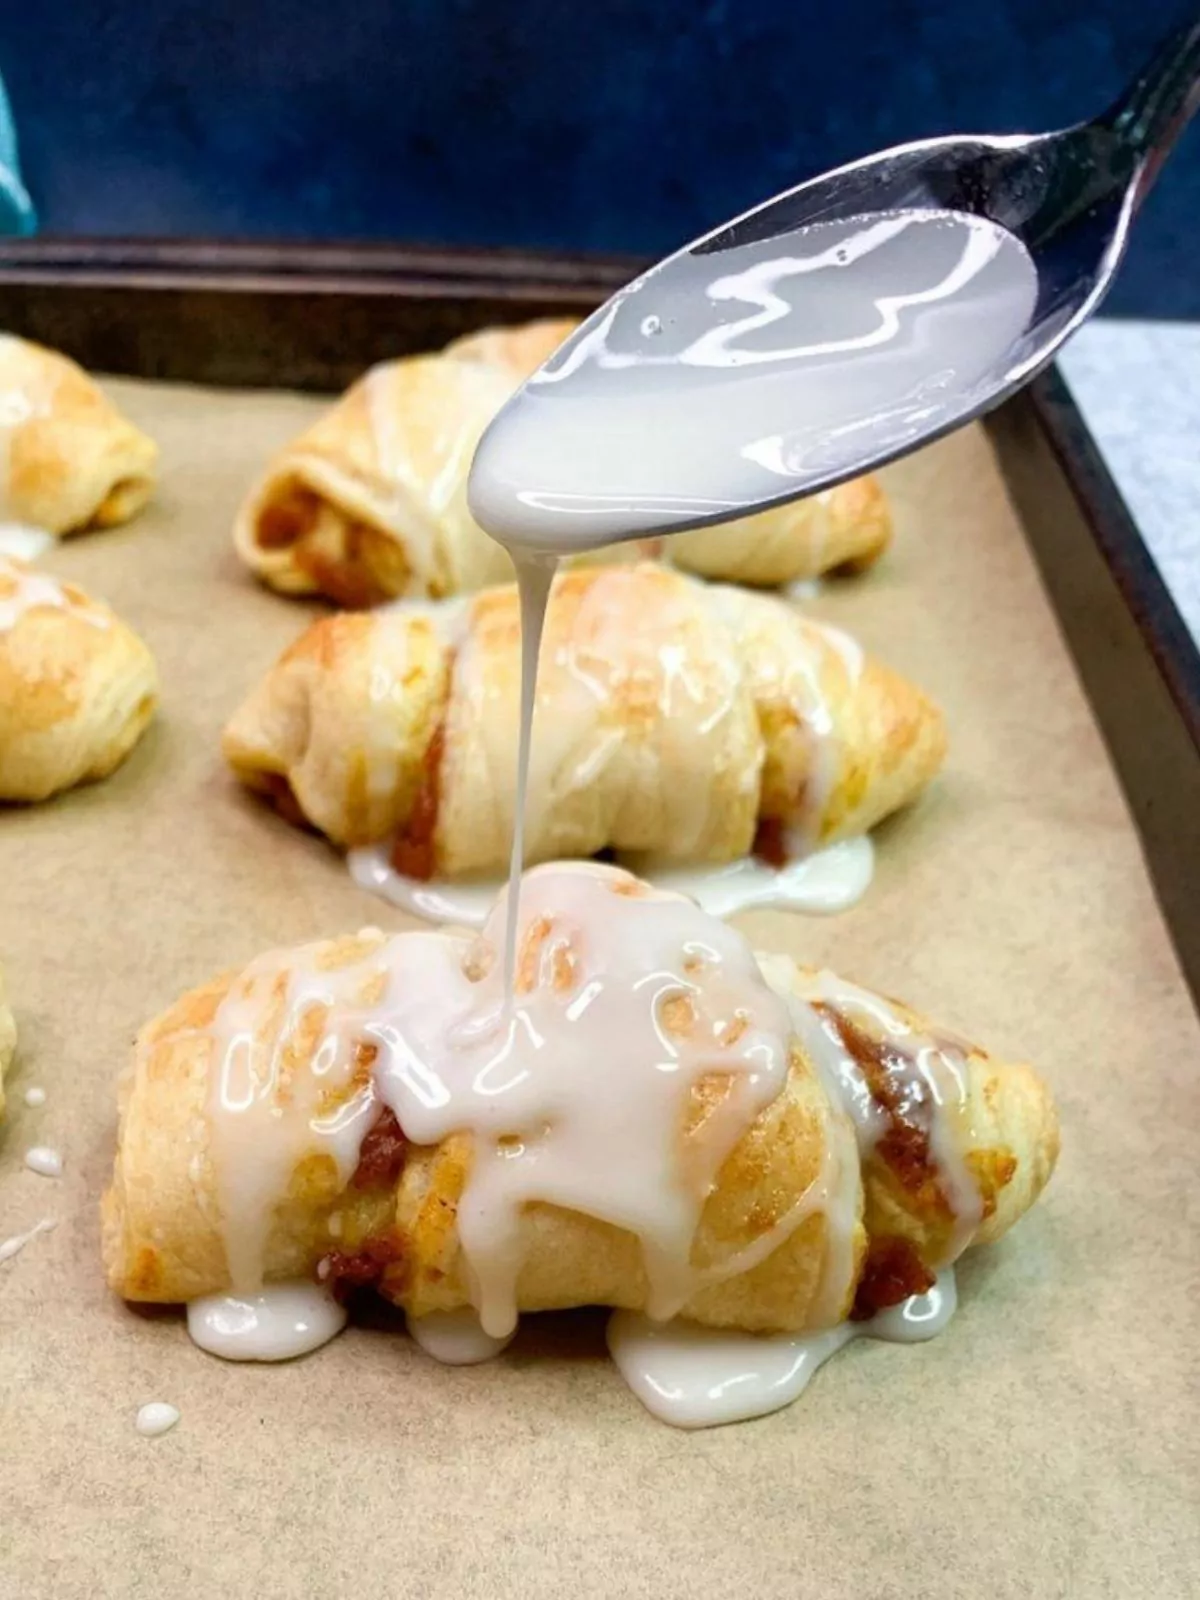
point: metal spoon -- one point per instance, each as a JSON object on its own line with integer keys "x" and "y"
{"x": 1069, "y": 198}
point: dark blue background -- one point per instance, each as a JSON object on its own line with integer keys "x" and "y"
{"x": 622, "y": 125}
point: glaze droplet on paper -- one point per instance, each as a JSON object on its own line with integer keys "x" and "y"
{"x": 156, "y": 1417}
{"x": 456, "y": 1338}
{"x": 281, "y": 1321}
{"x": 43, "y": 1160}
{"x": 35, "y": 1097}
{"x": 13, "y": 1246}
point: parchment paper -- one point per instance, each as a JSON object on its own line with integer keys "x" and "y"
{"x": 1047, "y": 1445}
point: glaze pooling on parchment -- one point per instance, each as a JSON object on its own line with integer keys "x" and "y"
{"x": 819, "y": 884}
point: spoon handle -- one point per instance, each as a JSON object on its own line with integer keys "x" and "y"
{"x": 1159, "y": 103}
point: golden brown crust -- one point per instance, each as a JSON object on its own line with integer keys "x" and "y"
{"x": 673, "y": 718}
{"x": 77, "y": 688}
{"x": 845, "y": 529}
{"x": 68, "y": 459}
{"x": 384, "y": 685}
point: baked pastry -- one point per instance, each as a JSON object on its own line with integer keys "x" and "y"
{"x": 683, "y": 720}
{"x": 8, "y": 1038}
{"x": 350, "y": 1111}
{"x": 68, "y": 459}
{"x": 370, "y": 502}
{"x": 77, "y": 687}
{"x": 843, "y": 530}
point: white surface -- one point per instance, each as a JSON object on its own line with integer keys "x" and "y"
{"x": 1138, "y": 386}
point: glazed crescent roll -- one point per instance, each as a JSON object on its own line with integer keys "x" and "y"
{"x": 350, "y": 1111}
{"x": 685, "y": 721}
{"x": 842, "y": 530}
{"x": 68, "y": 459}
{"x": 8, "y": 1038}
{"x": 77, "y": 687}
{"x": 370, "y": 502}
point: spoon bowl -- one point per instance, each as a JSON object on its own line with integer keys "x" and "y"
{"x": 835, "y": 327}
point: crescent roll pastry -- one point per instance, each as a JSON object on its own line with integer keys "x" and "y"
{"x": 673, "y": 718}
{"x": 8, "y": 1038}
{"x": 366, "y": 1111}
{"x": 68, "y": 459}
{"x": 77, "y": 687}
{"x": 838, "y": 530}
{"x": 370, "y": 502}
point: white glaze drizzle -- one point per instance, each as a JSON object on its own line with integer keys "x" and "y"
{"x": 793, "y": 675}
{"x": 448, "y": 618}
{"x": 156, "y": 1417}
{"x": 465, "y": 903}
{"x": 535, "y": 578}
{"x": 393, "y": 458}
{"x": 820, "y": 884}
{"x": 13, "y": 1246}
{"x": 695, "y": 1377}
{"x": 454, "y": 1056}
{"x": 279, "y": 1322}
{"x": 264, "y": 1118}
{"x": 24, "y": 542}
{"x": 456, "y": 1338}
{"x": 802, "y": 590}
{"x": 847, "y": 647}
{"x": 23, "y": 590}
{"x": 932, "y": 1074}
{"x": 47, "y": 1163}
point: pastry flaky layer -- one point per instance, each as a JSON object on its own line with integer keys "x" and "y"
{"x": 672, "y": 718}
{"x": 68, "y": 459}
{"x": 8, "y": 1038}
{"x": 77, "y": 687}
{"x": 369, "y": 503}
{"x": 881, "y": 1150}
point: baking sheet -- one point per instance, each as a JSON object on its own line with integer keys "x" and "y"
{"x": 1048, "y": 1444}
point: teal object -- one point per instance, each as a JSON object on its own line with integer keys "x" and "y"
{"x": 17, "y": 214}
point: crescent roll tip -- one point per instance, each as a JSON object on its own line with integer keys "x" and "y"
{"x": 78, "y": 687}
{"x": 74, "y": 461}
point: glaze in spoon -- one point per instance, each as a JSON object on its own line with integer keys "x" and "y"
{"x": 830, "y": 330}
